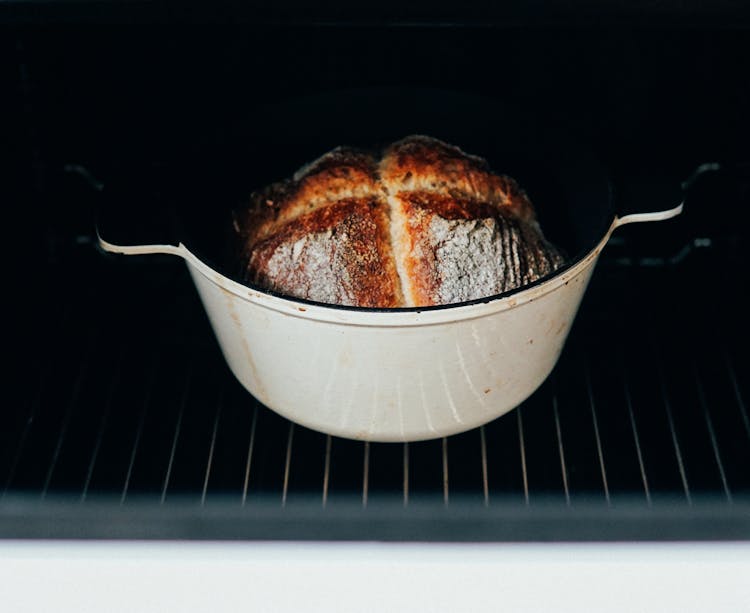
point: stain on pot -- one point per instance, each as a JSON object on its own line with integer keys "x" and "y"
{"x": 234, "y": 316}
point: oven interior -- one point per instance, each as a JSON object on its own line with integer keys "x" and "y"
{"x": 121, "y": 419}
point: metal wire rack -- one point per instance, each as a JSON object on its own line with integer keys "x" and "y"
{"x": 127, "y": 399}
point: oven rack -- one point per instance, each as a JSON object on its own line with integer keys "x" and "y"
{"x": 122, "y": 419}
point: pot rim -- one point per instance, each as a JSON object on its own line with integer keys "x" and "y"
{"x": 398, "y": 317}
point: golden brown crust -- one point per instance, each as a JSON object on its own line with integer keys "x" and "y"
{"x": 341, "y": 173}
{"x": 455, "y": 250}
{"x": 340, "y": 253}
{"x": 449, "y": 207}
{"x": 426, "y": 224}
{"x": 423, "y": 163}
{"x": 417, "y": 252}
{"x": 420, "y": 261}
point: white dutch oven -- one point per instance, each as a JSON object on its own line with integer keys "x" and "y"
{"x": 400, "y": 375}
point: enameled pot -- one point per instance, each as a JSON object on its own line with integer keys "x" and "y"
{"x": 401, "y": 374}
{"x": 391, "y": 376}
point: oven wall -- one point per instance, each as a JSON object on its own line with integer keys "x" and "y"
{"x": 111, "y": 94}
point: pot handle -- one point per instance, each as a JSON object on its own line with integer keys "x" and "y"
{"x": 644, "y": 188}
{"x": 138, "y": 249}
{"x": 654, "y": 216}
{"x": 132, "y": 221}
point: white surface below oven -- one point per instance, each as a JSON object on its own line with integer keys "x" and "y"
{"x": 261, "y": 576}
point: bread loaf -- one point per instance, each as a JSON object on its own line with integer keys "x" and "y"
{"x": 421, "y": 224}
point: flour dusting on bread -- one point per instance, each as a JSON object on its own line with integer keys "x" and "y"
{"x": 421, "y": 224}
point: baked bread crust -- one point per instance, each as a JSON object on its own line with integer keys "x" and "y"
{"x": 424, "y": 224}
{"x": 424, "y": 164}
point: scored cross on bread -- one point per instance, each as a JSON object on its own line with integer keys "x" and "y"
{"x": 424, "y": 224}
